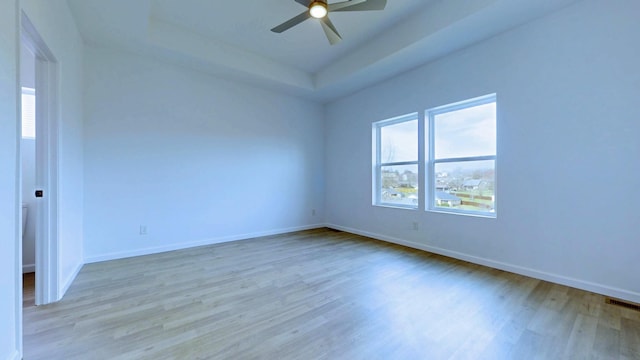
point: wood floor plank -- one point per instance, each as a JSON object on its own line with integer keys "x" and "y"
{"x": 581, "y": 340}
{"x": 607, "y": 343}
{"x": 320, "y": 294}
{"x": 630, "y": 339}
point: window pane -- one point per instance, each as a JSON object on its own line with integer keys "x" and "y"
{"x": 466, "y": 132}
{"x": 28, "y": 113}
{"x": 399, "y": 185}
{"x": 468, "y": 185}
{"x": 399, "y": 142}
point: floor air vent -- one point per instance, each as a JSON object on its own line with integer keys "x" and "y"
{"x": 626, "y": 304}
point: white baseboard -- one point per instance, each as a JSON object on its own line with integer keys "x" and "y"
{"x": 28, "y": 268}
{"x": 537, "y": 274}
{"x": 69, "y": 280}
{"x": 186, "y": 245}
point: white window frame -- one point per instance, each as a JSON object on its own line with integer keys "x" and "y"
{"x": 431, "y": 161}
{"x": 378, "y": 164}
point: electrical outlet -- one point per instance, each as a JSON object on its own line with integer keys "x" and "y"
{"x": 415, "y": 225}
{"x": 313, "y": 212}
{"x": 143, "y": 229}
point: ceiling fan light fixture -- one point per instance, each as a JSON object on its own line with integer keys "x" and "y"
{"x": 318, "y": 9}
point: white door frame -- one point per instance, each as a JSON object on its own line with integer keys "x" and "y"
{"x": 47, "y": 114}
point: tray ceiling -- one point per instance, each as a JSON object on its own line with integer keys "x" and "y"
{"x": 232, "y": 39}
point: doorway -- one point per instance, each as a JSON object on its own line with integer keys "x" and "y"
{"x": 28, "y": 172}
{"x": 39, "y": 81}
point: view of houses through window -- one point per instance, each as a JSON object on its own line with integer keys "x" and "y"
{"x": 460, "y": 146}
{"x": 462, "y": 156}
{"x": 465, "y": 186}
{"x": 397, "y": 161}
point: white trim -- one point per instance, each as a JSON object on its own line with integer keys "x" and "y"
{"x": 422, "y": 195}
{"x": 191, "y": 244}
{"x": 465, "y": 159}
{"x": 69, "y": 280}
{"x": 375, "y": 160}
{"x": 537, "y": 274}
{"x": 18, "y": 328}
{"x": 29, "y": 268}
{"x": 399, "y": 163}
{"x": 478, "y": 214}
{"x": 47, "y": 142}
{"x": 396, "y": 206}
{"x": 396, "y": 120}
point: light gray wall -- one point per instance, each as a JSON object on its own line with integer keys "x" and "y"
{"x": 53, "y": 21}
{"x": 568, "y": 146}
{"x": 194, "y": 158}
{"x": 10, "y": 299}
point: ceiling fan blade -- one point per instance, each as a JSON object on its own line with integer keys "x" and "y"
{"x": 344, "y": 4}
{"x": 291, "y": 22}
{"x": 304, "y": 3}
{"x": 330, "y": 31}
{"x": 359, "y": 5}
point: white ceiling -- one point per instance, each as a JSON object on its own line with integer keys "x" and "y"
{"x": 304, "y": 46}
{"x": 232, "y": 38}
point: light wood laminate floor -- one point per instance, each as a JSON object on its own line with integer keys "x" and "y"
{"x": 321, "y": 294}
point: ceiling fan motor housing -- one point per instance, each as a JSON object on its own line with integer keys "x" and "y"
{"x": 318, "y": 9}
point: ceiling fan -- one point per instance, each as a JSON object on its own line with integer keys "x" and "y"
{"x": 320, "y": 10}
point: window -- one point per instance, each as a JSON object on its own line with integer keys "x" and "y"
{"x": 28, "y": 113}
{"x": 462, "y": 157}
{"x": 395, "y": 151}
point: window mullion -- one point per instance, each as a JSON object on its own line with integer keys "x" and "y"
{"x": 431, "y": 164}
{"x": 422, "y": 189}
{"x": 465, "y": 159}
{"x": 400, "y": 163}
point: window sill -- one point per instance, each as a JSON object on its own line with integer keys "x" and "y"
{"x": 464, "y": 213}
{"x": 396, "y": 206}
